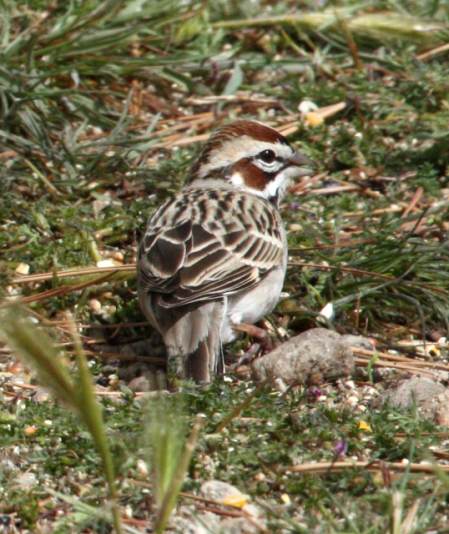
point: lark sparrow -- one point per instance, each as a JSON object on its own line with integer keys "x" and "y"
{"x": 215, "y": 254}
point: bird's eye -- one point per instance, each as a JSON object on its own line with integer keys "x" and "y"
{"x": 267, "y": 156}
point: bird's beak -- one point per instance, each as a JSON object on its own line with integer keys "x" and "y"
{"x": 305, "y": 164}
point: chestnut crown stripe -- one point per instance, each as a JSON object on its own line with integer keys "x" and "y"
{"x": 257, "y": 131}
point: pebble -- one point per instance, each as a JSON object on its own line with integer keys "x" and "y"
{"x": 431, "y": 398}
{"x": 217, "y": 490}
{"x": 23, "y": 268}
{"x": 26, "y": 480}
{"x": 95, "y": 305}
{"x": 140, "y": 383}
{"x": 311, "y": 358}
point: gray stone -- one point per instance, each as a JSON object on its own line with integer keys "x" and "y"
{"x": 216, "y": 490}
{"x": 431, "y": 398}
{"x": 359, "y": 341}
{"x": 412, "y": 391}
{"x": 188, "y": 521}
{"x": 311, "y": 358}
{"x": 238, "y": 525}
{"x": 219, "y": 491}
{"x": 26, "y": 480}
{"x": 40, "y": 395}
{"x": 140, "y": 383}
{"x": 438, "y": 409}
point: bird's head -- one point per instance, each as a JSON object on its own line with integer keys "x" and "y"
{"x": 251, "y": 157}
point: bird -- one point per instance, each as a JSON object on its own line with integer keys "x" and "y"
{"x": 214, "y": 255}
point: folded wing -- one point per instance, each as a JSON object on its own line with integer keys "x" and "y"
{"x": 200, "y": 259}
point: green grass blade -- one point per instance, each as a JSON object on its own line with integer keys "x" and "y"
{"x": 170, "y": 453}
{"x": 37, "y": 350}
{"x": 91, "y": 413}
{"x": 175, "y": 483}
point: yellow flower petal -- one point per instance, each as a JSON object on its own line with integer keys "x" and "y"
{"x": 238, "y": 500}
{"x": 313, "y": 119}
{"x": 366, "y": 427}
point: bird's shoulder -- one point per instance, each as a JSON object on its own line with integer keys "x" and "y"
{"x": 209, "y": 206}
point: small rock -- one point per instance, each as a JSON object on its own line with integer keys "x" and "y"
{"x": 188, "y": 521}
{"x": 359, "y": 341}
{"x": 26, "y": 480}
{"x": 7, "y": 465}
{"x": 23, "y": 268}
{"x": 431, "y": 398}
{"x": 412, "y": 391}
{"x": 225, "y": 493}
{"x": 238, "y": 525}
{"x": 439, "y": 409}
{"x": 140, "y": 383}
{"x": 216, "y": 490}
{"x": 311, "y": 358}
{"x": 40, "y": 395}
{"x": 95, "y": 305}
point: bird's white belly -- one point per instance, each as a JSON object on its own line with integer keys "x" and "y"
{"x": 251, "y": 306}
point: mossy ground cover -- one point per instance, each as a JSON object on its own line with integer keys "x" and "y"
{"x": 103, "y": 107}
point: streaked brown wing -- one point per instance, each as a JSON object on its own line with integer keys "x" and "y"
{"x": 196, "y": 262}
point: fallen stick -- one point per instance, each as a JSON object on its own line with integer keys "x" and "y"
{"x": 376, "y": 465}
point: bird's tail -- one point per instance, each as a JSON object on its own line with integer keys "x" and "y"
{"x": 194, "y": 343}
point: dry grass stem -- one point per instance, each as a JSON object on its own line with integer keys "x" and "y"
{"x": 397, "y": 358}
{"x": 375, "y": 465}
{"x": 399, "y": 366}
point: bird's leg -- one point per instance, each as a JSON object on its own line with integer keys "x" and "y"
{"x": 175, "y": 367}
{"x": 197, "y": 364}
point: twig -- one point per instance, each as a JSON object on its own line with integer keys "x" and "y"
{"x": 400, "y": 367}
{"x": 48, "y": 185}
{"x": 220, "y": 507}
{"x": 434, "y": 52}
{"x": 81, "y": 271}
{"x": 59, "y": 291}
{"x": 375, "y": 465}
{"x": 396, "y": 358}
{"x": 415, "y": 199}
{"x": 303, "y": 186}
{"x": 238, "y": 97}
{"x": 335, "y": 189}
{"x": 352, "y": 45}
{"x": 329, "y": 111}
{"x": 373, "y": 213}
